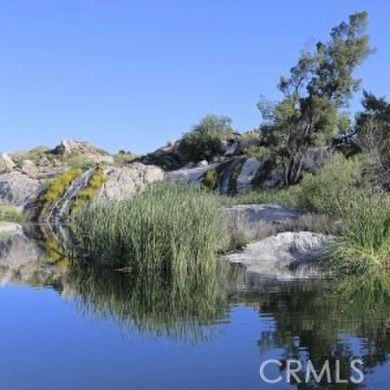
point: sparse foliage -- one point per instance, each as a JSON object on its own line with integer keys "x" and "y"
{"x": 320, "y": 84}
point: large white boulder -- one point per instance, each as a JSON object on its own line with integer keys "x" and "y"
{"x": 123, "y": 182}
{"x": 284, "y": 256}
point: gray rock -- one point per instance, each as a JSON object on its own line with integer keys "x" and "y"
{"x": 6, "y": 163}
{"x": 29, "y": 168}
{"x": 83, "y": 149}
{"x": 123, "y": 182}
{"x": 15, "y": 188}
{"x": 202, "y": 163}
{"x": 285, "y": 256}
{"x": 248, "y": 173}
{"x": 231, "y": 148}
{"x": 315, "y": 158}
{"x": 251, "y": 222}
{"x": 275, "y": 179}
{"x": 190, "y": 175}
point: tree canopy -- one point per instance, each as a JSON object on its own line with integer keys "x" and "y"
{"x": 321, "y": 83}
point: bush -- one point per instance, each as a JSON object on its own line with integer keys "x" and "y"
{"x": 168, "y": 228}
{"x": 59, "y": 185}
{"x": 359, "y": 214}
{"x": 210, "y": 179}
{"x": 330, "y": 191}
{"x": 123, "y": 157}
{"x": 260, "y": 152}
{"x": 78, "y": 161}
{"x": 206, "y": 138}
{"x": 85, "y": 196}
{"x": 285, "y": 197}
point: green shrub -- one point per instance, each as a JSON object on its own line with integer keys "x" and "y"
{"x": 122, "y": 157}
{"x": 77, "y": 161}
{"x": 168, "y": 228}
{"x": 210, "y": 179}
{"x": 260, "y": 152}
{"x": 85, "y": 196}
{"x": 285, "y": 197}
{"x": 59, "y": 185}
{"x": 205, "y": 140}
{"x": 330, "y": 191}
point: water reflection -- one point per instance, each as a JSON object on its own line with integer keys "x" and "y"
{"x": 347, "y": 320}
{"x": 310, "y": 320}
{"x": 181, "y": 309}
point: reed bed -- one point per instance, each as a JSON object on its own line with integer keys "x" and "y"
{"x": 168, "y": 228}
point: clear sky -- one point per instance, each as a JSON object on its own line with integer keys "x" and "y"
{"x": 128, "y": 74}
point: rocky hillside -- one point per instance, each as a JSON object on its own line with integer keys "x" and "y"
{"x": 49, "y": 184}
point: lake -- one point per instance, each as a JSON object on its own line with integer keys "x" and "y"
{"x": 66, "y": 327}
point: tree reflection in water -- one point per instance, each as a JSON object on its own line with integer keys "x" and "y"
{"x": 346, "y": 320}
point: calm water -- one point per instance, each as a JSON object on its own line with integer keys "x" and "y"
{"x": 68, "y": 328}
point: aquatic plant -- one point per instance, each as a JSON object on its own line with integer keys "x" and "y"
{"x": 364, "y": 245}
{"x": 169, "y": 228}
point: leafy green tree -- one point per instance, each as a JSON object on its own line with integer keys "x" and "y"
{"x": 318, "y": 86}
{"x": 206, "y": 138}
{"x": 373, "y": 136}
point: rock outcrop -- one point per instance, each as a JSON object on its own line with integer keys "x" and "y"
{"x": 29, "y": 168}
{"x": 83, "y": 149}
{"x": 192, "y": 176}
{"x": 123, "y": 182}
{"x": 251, "y": 222}
{"x": 6, "y": 163}
{"x": 16, "y": 187}
{"x": 285, "y": 256}
{"x": 232, "y": 176}
{"x": 247, "y": 175}
{"x": 241, "y": 174}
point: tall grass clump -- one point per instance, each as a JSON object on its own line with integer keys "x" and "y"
{"x": 168, "y": 228}
{"x": 364, "y": 246}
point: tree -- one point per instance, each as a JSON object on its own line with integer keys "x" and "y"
{"x": 205, "y": 139}
{"x": 318, "y": 86}
{"x": 373, "y": 136}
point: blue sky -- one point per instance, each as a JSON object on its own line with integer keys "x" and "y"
{"x": 134, "y": 74}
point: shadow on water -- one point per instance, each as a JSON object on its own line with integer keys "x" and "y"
{"x": 310, "y": 320}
